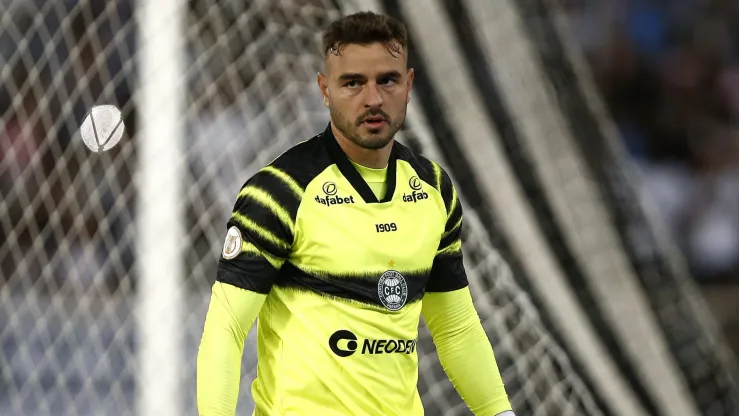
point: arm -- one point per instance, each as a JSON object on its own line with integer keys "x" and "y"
{"x": 447, "y": 308}
{"x": 465, "y": 352}
{"x": 259, "y": 239}
{"x": 231, "y": 313}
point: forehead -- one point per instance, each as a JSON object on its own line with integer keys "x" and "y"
{"x": 365, "y": 59}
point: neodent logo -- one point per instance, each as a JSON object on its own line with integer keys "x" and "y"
{"x": 331, "y": 198}
{"x": 369, "y": 346}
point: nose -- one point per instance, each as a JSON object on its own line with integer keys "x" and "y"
{"x": 373, "y": 97}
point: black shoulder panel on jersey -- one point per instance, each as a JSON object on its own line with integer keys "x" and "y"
{"x": 265, "y": 213}
{"x": 452, "y": 202}
{"x": 304, "y": 161}
{"x": 427, "y": 170}
{"x": 268, "y": 202}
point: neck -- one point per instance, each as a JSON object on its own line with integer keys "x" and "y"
{"x": 370, "y": 158}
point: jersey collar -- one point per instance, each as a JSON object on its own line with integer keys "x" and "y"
{"x": 353, "y": 176}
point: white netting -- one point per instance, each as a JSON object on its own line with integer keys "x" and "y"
{"x": 66, "y": 290}
{"x": 538, "y": 374}
{"x": 67, "y": 283}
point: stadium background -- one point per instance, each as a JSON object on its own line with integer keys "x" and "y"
{"x": 594, "y": 144}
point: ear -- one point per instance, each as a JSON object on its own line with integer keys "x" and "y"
{"x": 409, "y": 83}
{"x": 323, "y": 87}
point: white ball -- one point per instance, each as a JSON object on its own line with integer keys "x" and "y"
{"x": 102, "y": 128}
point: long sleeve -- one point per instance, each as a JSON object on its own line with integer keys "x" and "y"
{"x": 465, "y": 351}
{"x": 231, "y": 313}
{"x": 258, "y": 240}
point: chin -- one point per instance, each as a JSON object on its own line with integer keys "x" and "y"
{"x": 375, "y": 142}
{"x": 382, "y": 135}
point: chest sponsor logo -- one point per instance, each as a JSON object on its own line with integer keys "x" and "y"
{"x": 416, "y": 193}
{"x": 330, "y": 197}
{"x": 345, "y": 343}
{"x": 392, "y": 290}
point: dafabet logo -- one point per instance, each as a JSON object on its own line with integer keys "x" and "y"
{"x": 330, "y": 196}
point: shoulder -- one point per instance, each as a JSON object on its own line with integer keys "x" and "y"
{"x": 428, "y": 170}
{"x": 281, "y": 183}
{"x": 295, "y": 168}
{"x": 302, "y": 162}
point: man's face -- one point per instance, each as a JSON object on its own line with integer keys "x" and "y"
{"x": 367, "y": 89}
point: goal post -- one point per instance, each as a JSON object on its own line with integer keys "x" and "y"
{"x": 160, "y": 224}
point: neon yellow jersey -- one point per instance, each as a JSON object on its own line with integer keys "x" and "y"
{"x": 344, "y": 275}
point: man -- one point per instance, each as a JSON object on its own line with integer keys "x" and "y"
{"x": 339, "y": 246}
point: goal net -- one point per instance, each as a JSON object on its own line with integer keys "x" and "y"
{"x": 74, "y": 337}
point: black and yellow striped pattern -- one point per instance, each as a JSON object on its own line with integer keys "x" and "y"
{"x": 265, "y": 214}
{"x": 447, "y": 272}
{"x": 361, "y": 266}
{"x": 357, "y": 287}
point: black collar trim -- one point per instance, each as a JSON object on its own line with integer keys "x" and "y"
{"x": 353, "y": 176}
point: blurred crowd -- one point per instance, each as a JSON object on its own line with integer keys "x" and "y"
{"x": 668, "y": 72}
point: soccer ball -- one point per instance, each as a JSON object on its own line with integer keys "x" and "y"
{"x": 102, "y": 128}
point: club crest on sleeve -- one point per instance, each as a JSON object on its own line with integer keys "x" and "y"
{"x": 233, "y": 243}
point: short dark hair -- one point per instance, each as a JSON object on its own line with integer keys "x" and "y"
{"x": 365, "y": 28}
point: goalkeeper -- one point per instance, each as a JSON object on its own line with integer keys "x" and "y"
{"x": 338, "y": 246}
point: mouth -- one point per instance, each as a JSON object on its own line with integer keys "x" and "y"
{"x": 374, "y": 121}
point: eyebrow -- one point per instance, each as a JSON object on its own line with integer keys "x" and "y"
{"x": 355, "y": 76}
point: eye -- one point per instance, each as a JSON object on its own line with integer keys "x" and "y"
{"x": 387, "y": 81}
{"x": 352, "y": 84}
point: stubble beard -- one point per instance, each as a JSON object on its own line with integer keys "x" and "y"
{"x": 351, "y": 130}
